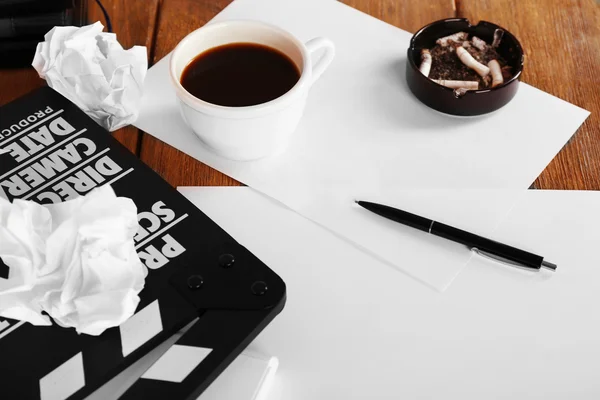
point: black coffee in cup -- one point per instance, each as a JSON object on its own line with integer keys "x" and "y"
{"x": 240, "y": 74}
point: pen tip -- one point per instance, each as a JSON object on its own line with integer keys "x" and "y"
{"x": 357, "y": 201}
{"x": 549, "y": 265}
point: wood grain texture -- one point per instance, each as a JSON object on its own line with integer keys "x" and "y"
{"x": 409, "y": 15}
{"x": 15, "y": 83}
{"x": 134, "y": 23}
{"x": 176, "y": 19}
{"x": 561, "y": 39}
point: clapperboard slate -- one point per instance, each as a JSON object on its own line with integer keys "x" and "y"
{"x": 196, "y": 270}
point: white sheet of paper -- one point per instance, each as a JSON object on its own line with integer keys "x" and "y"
{"x": 364, "y": 134}
{"x": 352, "y": 328}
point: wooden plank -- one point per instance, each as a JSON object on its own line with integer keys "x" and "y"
{"x": 180, "y": 169}
{"x": 561, "y": 40}
{"x": 176, "y": 19}
{"x": 409, "y": 15}
{"x": 133, "y": 22}
{"x": 15, "y": 83}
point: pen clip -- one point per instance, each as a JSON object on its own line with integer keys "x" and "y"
{"x": 500, "y": 259}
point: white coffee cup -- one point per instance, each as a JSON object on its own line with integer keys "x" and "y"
{"x": 252, "y": 132}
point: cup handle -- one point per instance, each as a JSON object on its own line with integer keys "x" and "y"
{"x": 321, "y": 65}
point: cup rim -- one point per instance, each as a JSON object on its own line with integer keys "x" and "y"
{"x": 245, "y": 111}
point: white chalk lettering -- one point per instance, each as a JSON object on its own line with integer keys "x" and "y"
{"x": 152, "y": 258}
{"x": 94, "y": 174}
{"x": 32, "y": 177}
{"x": 17, "y": 152}
{"x": 81, "y": 182}
{"x": 4, "y": 324}
{"x": 90, "y": 147}
{"x": 60, "y": 127}
{"x": 27, "y": 145}
{"x": 50, "y": 166}
{"x": 107, "y": 167}
{"x": 54, "y": 163}
{"x": 16, "y": 186}
{"x": 32, "y": 147}
{"x": 172, "y": 247}
{"x": 155, "y": 259}
{"x": 53, "y": 197}
{"x": 43, "y": 136}
{"x": 69, "y": 154}
{"x": 143, "y": 232}
{"x": 64, "y": 190}
{"x": 159, "y": 208}
{"x": 23, "y": 125}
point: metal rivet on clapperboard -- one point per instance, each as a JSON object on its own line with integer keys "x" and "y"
{"x": 195, "y": 281}
{"x": 226, "y": 260}
{"x": 259, "y": 288}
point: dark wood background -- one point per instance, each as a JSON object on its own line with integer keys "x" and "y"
{"x": 561, "y": 39}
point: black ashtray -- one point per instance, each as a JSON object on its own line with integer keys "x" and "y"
{"x": 473, "y": 102}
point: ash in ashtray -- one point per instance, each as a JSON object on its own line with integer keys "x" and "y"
{"x": 464, "y": 63}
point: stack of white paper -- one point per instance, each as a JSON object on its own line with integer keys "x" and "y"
{"x": 355, "y": 329}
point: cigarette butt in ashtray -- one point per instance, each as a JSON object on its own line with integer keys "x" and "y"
{"x": 498, "y": 35}
{"x": 478, "y": 43}
{"x": 425, "y": 62}
{"x": 455, "y": 37}
{"x": 496, "y": 72}
{"x": 469, "y": 85}
{"x": 467, "y": 59}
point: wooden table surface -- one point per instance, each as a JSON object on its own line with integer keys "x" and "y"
{"x": 561, "y": 40}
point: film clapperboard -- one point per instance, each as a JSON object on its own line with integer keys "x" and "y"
{"x": 199, "y": 277}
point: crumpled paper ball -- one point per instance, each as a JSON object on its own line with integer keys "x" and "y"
{"x": 23, "y": 234}
{"x": 91, "y": 68}
{"x": 75, "y": 261}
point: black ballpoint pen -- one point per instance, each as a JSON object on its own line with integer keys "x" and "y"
{"x": 479, "y": 244}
